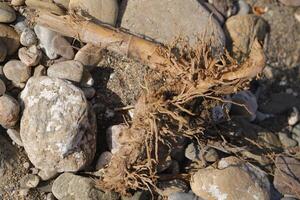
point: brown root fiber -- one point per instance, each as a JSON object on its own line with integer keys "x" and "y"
{"x": 173, "y": 107}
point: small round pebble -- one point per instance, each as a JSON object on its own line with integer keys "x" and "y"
{"x": 9, "y": 111}
{"x": 28, "y": 37}
{"x": 30, "y": 56}
{"x": 29, "y": 181}
{"x": 26, "y": 165}
{"x": 7, "y": 13}
{"x": 89, "y": 92}
{"x": 16, "y": 71}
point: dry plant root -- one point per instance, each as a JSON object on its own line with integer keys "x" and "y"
{"x": 173, "y": 104}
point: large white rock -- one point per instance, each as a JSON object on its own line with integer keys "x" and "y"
{"x": 57, "y": 126}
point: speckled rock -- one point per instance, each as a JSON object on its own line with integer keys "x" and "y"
{"x": 30, "y": 56}
{"x": 2, "y": 87}
{"x": 28, "y": 37}
{"x": 103, "y": 10}
{"x": 9, "y": 111}
{"x": 53, "y": 43}
{"x": 165, "y": 21}
{"x": 3, "y": 50}
{"x": 16, "y": 71}
{"x": 89, "y": 56}
{"x": 70, "y": 186}
{"x": 70, "y": 70}
{"x": 242, "y": 30}
{"x": 57, "y": 116}
{"x": 7, "y": 13}
{"x": 10, "y": 38}
{"x": 233, "y": 180}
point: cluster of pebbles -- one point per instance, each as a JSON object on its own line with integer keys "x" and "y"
{"x": 46, "y": 88}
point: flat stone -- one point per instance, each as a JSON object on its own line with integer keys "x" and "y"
{"x": 287, "y": 175}
{"x": 70, "y": 70}
{"x": 28, "y": 37}
{"x": 10, "y": 38}
{"x": 105, "y": 11}
{"x": 67, "y": 185}
{"x": 53, "y": 43}
{"x": 242, "y": 30}
{"x": 235, "y": 180}
{"x": 9, "y": 111}
{"x": 89, "y": 56}
{"x": 166, "y": 21}
{"x": 57, "y": 116}
{"x": 30, "y": 56}
{"x": 7, "y": 13}
{"x": 16, "y": 71}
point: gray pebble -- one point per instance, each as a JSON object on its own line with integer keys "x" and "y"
{"x": 71, "y": 70}
{"x": 29, "y": 181}
{"x": 28, "y": 37}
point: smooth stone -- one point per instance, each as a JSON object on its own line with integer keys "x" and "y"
{"x": 20, "y": 26}
{"x": 166, "y": 188}
{"x": 70, "y": 70}
{"x": 28, "y": 38}
{"x": 294, "y": 117}
{"x": 244, "y": 8}
{"x": 14, "y": 135}
{"x": 242, "y": 30}
{"x": 233, "y": 180}
{"x": 9, "y": 111}
{"x": 89, "y": 92}
{"x": 105, "y": 11}
{"x": 10, "y": 38}
{"x": 64, "y": 3}
{"x": 89, "y": 56}
{"x": 287, "y": 175}
{"x": 57, "y": 116}
{"x": 7, "y": 13}
{"x": 45, "y": 5}
{"x": 53, "y": 43}
{"x": 39, "y": 70}
{"x": 87, "y": 79}
{"x": 294, "y": 3}
{"x": 2, "y": 88}
{"x": 248, "y": 103}
{"x": 103, "y": 160}
{"x": 29, "y": 181}
{"x": 30, "y": 56}
{"x": 3, "y": 50}
{"x": 186, "y": 19}
{"x": 16, "y": 71}
{"x": 286, "y": 141}
{"x": 112, "y": 137}
{"x": 17, "y": 2}
{"x": 70, "y": 186}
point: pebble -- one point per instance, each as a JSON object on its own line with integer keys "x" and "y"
{"x": 20, "y": 26}
{"x": 286, "y": 141}
{"x": 188, "y": 19}
{"x": 246, "y": 182}
{"x": 28, "y": 37}
{"x": 9, "y": 111}
{"x": 269, "y": 140}
{"x": 14, "y": 135}
{"x": 16, "y": 71}
{"x": 10, "y": 38}
{"x": 193, "y": 152}
{"x": 287, "y": 170}
{"x": 50, "y": 196}
{"x": 67, "y": 185}
{"x": 53, "y": 43}
{"x": 243, "y": 8}
{"x": 183, "y": 196}
{"x": 112, "y": 135}
{"x": 39, "y": 70}
{"x": 30, "y": 56}
{"x": 242, "y": 30}
{"x": 2, "y": 88}
{"x": 45, "y": 5}
{"x": 57, "y": 116}
{"x": 103, "y": 160}
{"x": 17, "y": 2}
{"x": 89, "y": 56}
{"x": 70, "y": 70}
{"x": 166, "y": 188}
{"x": 294, "y": 3}
{"x": 7, "y": 13}
{"x": 89, "y": 92}
{"x": 3, "y": 51}
{"x": 294, "y": 117}
{"x": 29, "y": 181}
{"x": 26, "y": 165}
{"x": 105, "y": 11}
